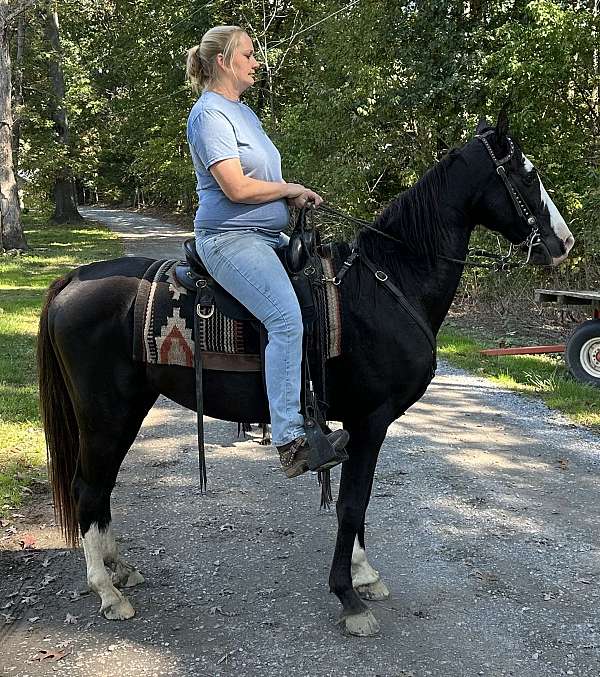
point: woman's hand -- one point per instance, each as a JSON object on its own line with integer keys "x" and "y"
{"x": 303, "y": 196}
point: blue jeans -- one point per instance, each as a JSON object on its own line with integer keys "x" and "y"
{"x": 245, "y": 264}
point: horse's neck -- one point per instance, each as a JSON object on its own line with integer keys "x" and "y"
{"x": 432, "y": 285}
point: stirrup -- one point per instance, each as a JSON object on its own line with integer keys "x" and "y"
{"x": 322, "y": 455}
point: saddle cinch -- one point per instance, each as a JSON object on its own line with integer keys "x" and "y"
{"x": 301, "y": 260}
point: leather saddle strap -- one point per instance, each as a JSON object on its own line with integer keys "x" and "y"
{"x": 199, "y": 393}
{"x": 382, "y": 277}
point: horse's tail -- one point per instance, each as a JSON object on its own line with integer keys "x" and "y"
{"x": 58, "y": 419}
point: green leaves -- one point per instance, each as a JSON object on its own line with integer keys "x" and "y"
{"x": 360, "y": 102}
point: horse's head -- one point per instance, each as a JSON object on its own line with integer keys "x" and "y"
{"x": 514, "y": 201}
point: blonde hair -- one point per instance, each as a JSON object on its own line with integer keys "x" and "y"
{"x": 201, "y": 67}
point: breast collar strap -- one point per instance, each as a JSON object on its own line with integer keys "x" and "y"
{"x": 384, "y": 279}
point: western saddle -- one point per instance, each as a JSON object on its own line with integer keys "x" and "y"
{"x": 302, "y": 262}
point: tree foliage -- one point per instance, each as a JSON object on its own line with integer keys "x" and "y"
{"x": 361, "y": 97}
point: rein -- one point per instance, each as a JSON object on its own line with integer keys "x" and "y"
{"x": 502, "y": 262}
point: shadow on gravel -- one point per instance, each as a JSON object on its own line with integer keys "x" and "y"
{"x": 483, "y": 523}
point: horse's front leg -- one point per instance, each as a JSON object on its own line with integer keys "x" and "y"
{"x": 366, "y": 438}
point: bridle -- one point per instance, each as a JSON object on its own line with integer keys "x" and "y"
{"x": 501, "y": 261}
{"x": 533, "y": 239}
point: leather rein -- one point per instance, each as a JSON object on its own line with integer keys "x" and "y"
{"x": 501, "y": 261}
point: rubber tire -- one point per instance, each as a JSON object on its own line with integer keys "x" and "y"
{"x": 581, "y": 334}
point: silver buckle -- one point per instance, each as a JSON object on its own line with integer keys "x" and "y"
{"x": 381, "y": 276}
{"x": 333, "y": 280}
{"x": 204, "y": 315}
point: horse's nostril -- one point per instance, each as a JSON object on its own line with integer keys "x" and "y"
{"x": 569, "y": 242}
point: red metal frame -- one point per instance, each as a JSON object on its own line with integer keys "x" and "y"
{"x": 527, "y": 350}
{"x": 562, "y": 298}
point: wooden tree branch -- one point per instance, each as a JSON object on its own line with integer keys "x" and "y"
{"x": 18, "y": 10}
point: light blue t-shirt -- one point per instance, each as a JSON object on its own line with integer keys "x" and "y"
{"x": 218, "y": 129}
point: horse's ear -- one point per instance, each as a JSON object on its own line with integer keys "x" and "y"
{"x": 502, "y": 125}
{"x": 482, "y": 125}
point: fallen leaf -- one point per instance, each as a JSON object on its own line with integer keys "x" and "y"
{"x": 33, "y": 619}
{"x": 28, "y": 541}
{"x": 563, "y": 463}
{"x": 49, "y": 656}
{"x": 29, "y": 600}
{"x": 46, "y": 562}
{"x": 72, "y": 620}
{"x": 8, "y": 618}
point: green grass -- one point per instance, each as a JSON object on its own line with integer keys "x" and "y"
{"x": 23, "y": 281}
{"x": 542, "y": 376}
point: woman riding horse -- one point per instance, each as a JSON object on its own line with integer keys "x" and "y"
{"x": 94, "y": 395}
{"x": 239, "y": 221}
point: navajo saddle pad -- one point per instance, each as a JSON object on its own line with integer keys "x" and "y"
{"x": 164, "y": 325}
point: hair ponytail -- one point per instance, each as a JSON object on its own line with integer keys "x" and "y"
{"x": 201, "y": 65}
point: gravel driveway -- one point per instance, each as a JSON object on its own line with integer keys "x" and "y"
{"x": 483, "y": 524}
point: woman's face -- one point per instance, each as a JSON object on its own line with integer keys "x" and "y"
{"x": 243, "y": 64}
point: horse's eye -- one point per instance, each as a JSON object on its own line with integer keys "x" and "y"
{"x": 529, "y": 178}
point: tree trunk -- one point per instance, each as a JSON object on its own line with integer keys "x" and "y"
{"x": 18, "y": 94}
{"x": 65, "y": 203}
{"x": 11, "y": 230}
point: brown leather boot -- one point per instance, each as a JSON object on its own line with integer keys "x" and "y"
{"x": 294, "y": 454}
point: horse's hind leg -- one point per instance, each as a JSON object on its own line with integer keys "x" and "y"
{"x": 96, "y": 541}
{"x": 123, "y": 574}
{"x": 365, "y": 579}
{"x": 103, "y": 447}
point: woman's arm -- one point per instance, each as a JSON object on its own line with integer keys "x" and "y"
{"x": 240, "y": 188}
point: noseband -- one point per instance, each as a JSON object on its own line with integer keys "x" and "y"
{"x": 533, "y": 239}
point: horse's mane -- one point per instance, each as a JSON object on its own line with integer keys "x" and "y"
{"x": 413, "y": 218}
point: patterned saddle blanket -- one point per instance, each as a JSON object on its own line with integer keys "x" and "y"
{"x": 164, "y": 325}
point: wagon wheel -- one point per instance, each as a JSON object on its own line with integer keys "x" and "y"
{"x": 582, "y": 354}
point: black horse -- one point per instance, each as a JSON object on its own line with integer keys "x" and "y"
{"x": 94, "y": 396}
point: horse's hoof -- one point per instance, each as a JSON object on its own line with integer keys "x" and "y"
{"x": 361, "y": 625}
{"x": 374, "y": 591}
{"x": 135, "y": 578}
{"x": 265, "y": 442}
{"x": 119, "y": 610}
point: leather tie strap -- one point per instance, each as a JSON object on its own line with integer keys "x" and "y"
{"x": 402, "y": 300}
{"x": 384, "y": 278}
{"x": 199, "y": 393}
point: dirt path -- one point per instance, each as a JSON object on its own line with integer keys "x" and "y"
{"x": 483, "y": 523}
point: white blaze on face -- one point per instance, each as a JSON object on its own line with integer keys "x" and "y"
{"x": 557, "y": 223}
